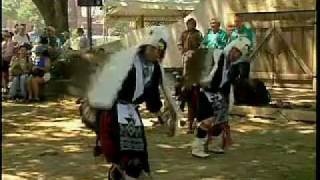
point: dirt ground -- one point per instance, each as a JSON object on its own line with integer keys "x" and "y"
{"x": 48, "y": 141}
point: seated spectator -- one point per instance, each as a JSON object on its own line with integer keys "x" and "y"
{"x": 42, "y": 46}
{"x": 52, "y": 38}
{"x": 40, "y": 75}
{"x": 7, "y": 53}
{"x": 53, "y": 41}
{"x": 20, "y": 68}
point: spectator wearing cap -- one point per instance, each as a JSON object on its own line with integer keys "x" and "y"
{"x": 20, "y": 68}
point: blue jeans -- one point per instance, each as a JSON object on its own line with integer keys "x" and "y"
{"x": 19, "y": 83}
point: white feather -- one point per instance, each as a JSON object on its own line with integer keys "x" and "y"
{"x": 107, "y": 83}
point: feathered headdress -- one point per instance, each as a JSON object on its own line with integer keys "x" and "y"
{"x": 241, "y": 43}
{"x": 107, "y": 83}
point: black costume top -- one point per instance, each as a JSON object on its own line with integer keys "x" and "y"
{"x": 151, "y": 93}
{"x": 112, "y": 133}
{"x": 221, "y": 105}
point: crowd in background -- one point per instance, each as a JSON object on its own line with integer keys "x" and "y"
{"x": 27, "y": 58}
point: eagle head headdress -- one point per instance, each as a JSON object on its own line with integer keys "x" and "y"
{"x": 107, "y": 83}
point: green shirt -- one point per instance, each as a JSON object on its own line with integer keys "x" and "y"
{"x": 53, "y": 41}
{"x": 244, "y": 32}
{"x": 215, "y": 40}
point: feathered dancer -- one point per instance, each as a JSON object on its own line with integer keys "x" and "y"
{"x": 216, "y": 96}
{"x": 129, "y": 78}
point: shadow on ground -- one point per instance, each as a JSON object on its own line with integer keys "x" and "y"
{"x": 48, "y": 141}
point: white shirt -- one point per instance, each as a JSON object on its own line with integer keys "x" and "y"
{"x": 20, "y": 39}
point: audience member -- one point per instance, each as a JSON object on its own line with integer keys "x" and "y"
{"x": 7, "y": 53}
{"x": 21, "y": 37}
{"x": 20, "y": 68}
{"x": 40, "y": 75}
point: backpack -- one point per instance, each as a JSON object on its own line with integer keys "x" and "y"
{"x": 251, "y": 92}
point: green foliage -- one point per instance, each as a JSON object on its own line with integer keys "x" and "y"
{"x": 9, "y": 8}
{"x": 21, "y": 11}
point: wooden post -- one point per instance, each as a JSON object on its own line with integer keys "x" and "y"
{"x": 104, "y": 29}
{"x": 89, "y": 24}
{"x": 314, "y": 64}
{"x": 142, "y": 21}
{"x": 136, "y": 24}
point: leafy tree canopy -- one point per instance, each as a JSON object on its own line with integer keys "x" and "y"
{"x": 21, "y": 11}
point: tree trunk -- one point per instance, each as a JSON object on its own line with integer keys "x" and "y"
{"x": 54, "y": 12}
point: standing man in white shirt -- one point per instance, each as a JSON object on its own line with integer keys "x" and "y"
{"x": 21, "y": 37}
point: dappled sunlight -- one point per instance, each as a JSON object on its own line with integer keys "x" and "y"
{"x": 21, "y": 176}
{"x": 161, "y": 171}
{"x": 215, "y": 178}
{"x": 148, "y": 122}
{"x": 166, "y": 146}
{"x": 311, "y": 131}
{"x": 72, "y": 149}
{"x": 260, "y": 120}
{"x": 72, "y": 125}
{"x": 247, "y": 128}
{"x": 44, "y": 142}
{"x": 201, "y": 168}
{"x": 184, "y": 146}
